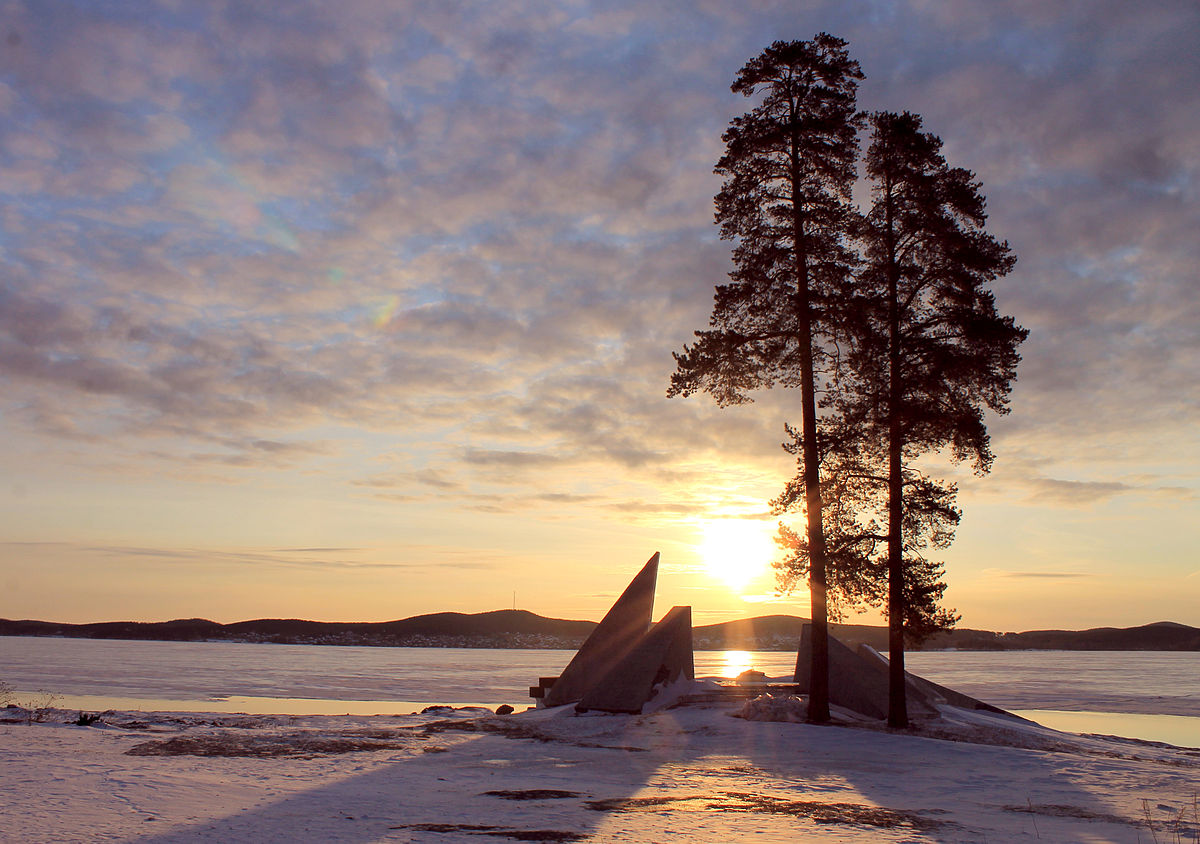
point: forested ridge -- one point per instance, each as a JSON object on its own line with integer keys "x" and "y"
{"x": 523, "y": 629}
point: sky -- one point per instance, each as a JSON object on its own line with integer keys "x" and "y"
{"x": 362, "y": 310}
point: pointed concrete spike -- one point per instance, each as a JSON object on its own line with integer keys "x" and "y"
{"x": 620, "y": 629}
{"x": 663, "y": 655}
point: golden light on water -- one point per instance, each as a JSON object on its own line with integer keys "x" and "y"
{"x": 736, "y": 551}
{"x": 736, "y": 662}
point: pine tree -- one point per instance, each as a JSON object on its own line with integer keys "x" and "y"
{"x": 789, "y": 167}
{"x": 931, "y": 353}
{"x": 854, "y": 486}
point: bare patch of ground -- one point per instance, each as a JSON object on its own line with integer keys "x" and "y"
{"x": 1179, "y": 822}
{"x": 1054, "y": 810}
{"x": 516, "y": 730}
{"x": 552, "y": 835}
{"x": 533, "y": 794}
{"x": 856, "y": 814}
{"x": 303, "y": 745}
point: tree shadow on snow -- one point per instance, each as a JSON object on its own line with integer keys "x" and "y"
{"x": 686, "y": 771}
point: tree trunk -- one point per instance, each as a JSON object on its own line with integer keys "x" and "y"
{"x": 897, "y": 702}
{"x": 818, "y": 701}
{"x": 818, "y": 675}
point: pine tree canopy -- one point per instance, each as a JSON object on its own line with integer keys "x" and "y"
{"x": 789, "y": 167}
{"x": 928, "y": 257}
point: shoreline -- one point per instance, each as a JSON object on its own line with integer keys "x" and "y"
{"x": 1136, "y": 724}
{"x": 574, "y": 645}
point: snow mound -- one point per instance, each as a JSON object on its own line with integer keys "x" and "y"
{"x": 666, "y": 695}
{"x": 767, "y": 707}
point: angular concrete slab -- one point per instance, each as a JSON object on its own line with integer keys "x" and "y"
{"x": 858, "y": 681}
{"x": 663, "y": 655}
{"x": 612, "y": 640}
{"x": 916, "y": 700}
{"x": 853, "y": 683}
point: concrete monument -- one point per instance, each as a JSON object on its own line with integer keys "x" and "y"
{"x": 613, "y": 639}
{"x": 662, "y": 656}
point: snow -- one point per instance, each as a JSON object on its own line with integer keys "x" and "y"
{"x": 686, "y": 772}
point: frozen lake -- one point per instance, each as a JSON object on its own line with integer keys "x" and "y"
{"x": 1085, "y": 691}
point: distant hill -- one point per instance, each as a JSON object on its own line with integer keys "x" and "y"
{"x": 1159, "y": 636}
{"x": 523, "y": 629}
{"x": 497, "y": 629}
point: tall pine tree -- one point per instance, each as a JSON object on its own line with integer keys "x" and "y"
{"x": 789, "y": 166}
{"x": 931, "y": 354}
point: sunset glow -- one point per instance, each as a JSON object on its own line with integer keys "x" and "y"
{"x": 737, "y": 551}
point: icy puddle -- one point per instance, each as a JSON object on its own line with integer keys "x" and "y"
{"x": 1180, "y": 730}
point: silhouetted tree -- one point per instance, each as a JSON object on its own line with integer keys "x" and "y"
{"x": 930, "y": 353}
{"x": 855, "y": 502}
{"x": 789, "y": 166}
{"x": 851, "y": 499}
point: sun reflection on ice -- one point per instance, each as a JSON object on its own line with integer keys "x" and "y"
{"x": 736, "y": 662}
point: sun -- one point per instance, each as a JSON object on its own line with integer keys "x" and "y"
{"x": 735, "y": 551}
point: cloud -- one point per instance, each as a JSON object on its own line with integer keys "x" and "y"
{"x": 1180, "y": 493}
{"x": 432, "y": 558}
{"x": 657, "y": 508}
{"x": 481, "y": 239}
{"x": 1075, "y": 493}
{"x": 315, "y": 550}
{"x": 1040, "y": 575}
{"x": 509, "y": 459}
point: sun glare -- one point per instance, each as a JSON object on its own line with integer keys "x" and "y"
{"x": 735, "y": 551}
{"x": 736, "y": 662}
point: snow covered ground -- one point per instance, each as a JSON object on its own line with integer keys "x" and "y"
{"x": 690, "y": 773}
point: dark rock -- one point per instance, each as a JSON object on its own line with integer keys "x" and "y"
{"x": 504, "y": 709}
